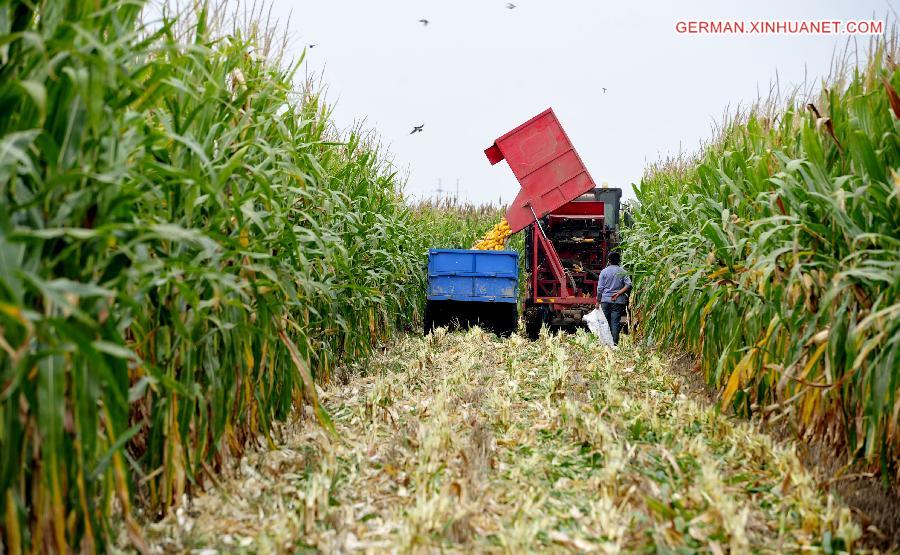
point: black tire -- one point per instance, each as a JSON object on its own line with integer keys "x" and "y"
{"x": 428, "y": 319}
{"x": 509, "y": 321}
{"x": 535, "y": 318}
{"x": 533, "y": 326}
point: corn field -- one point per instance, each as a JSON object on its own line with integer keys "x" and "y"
{"x": 190, "y": 251}
{"x": 454, "y": 224}
{"x": 774, "y": 257}
{"x": 185, "y": 246}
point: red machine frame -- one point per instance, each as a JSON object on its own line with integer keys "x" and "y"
{"x": 554, "y": 183}
{"x": 548, "y": 289}
{"x": 552, "y": 175}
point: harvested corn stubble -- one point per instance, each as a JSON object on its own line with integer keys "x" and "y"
{"x": 466, "y": 443}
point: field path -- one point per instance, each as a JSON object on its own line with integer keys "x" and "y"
{"x": 464, "y": 442}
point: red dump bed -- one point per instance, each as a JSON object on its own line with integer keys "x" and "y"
{"x": 542, "y": 158}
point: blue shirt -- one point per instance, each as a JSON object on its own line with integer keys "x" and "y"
{"x": 612, "y": 279}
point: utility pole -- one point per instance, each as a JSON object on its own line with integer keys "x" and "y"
{"x": 439, "y": 190}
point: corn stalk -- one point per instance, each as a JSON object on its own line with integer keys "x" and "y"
{"x": 774, "y": 256}
{"x": 185, "y": 248}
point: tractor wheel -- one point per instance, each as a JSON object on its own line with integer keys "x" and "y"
{"x": 428, "y": 319}
{"x": 508, "y": 321}
{"x": 533, "y": 326}
{"x": 535, "y": 317}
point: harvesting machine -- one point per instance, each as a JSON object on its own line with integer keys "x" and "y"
{"x": 570, "y": 224}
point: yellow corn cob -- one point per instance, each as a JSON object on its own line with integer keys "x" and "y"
{"x": 495, "y": 239}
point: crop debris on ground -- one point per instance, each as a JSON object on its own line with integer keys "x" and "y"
{"x": 463, "y": 441}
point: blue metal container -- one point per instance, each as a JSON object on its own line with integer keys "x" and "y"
{"x": 474, "y": 276}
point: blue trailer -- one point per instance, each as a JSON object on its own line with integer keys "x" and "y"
{"x": 469, "y": 287}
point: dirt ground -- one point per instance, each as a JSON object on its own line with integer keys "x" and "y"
{"x": 463, "y": 442}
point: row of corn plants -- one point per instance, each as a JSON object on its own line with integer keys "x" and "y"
{"x": 455, "y": 224}
{"x": 449, "y": 223}
{"x": 774, "y": 257}
{"x": 184, "y": 249}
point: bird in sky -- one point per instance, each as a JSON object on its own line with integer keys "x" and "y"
{"x": 510, "y": 6}
{"x": 417, "y": 129}
{"x": 604, "y": 89}
{"x": 311, "y": 46}
{"x": 424, "y": 22}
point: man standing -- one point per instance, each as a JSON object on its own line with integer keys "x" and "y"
{"x": 612, "y": 293}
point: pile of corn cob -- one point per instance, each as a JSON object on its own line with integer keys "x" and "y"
{"x": 495, "y": 239}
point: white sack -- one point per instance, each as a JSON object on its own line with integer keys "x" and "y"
{"x": 598, "y": 325}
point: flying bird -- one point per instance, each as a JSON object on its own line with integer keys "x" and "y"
{"x": 417, "y": 129}
{"x": 604, "y": 89}
{"x": 311, "y": 46}
{"x": 424, "y": 22}
{"x": 510, "y": 6}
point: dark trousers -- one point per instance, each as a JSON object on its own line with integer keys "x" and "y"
{"x": 613, "y": 313}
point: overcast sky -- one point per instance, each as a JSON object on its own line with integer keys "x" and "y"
{"x": 479, "y": 69}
